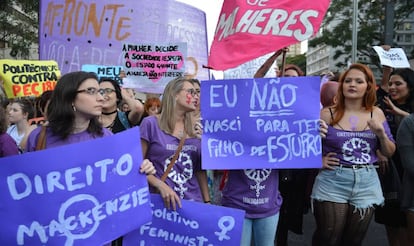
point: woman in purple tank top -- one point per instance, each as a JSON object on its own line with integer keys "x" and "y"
{"x": 347, "y": 187}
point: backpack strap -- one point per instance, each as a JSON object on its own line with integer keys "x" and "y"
{"x": 124, "y": 120}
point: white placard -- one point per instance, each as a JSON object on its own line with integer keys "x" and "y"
{"x": 394, "y": 57}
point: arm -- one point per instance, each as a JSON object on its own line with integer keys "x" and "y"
{"x": 202, "y": 182}
{"x": 376, "y": 126}
{"x": 405, "y": 143}
{"x": 136, "y": 107}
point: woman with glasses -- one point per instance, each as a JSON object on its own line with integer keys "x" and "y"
{"x": 73, "y": 112}
{"x": 112, "y": 118}
{"x": 160, "y": 138}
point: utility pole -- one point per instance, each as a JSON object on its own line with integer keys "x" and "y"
{"x": 389, "y": 22}
{"x": 355, "y": 32}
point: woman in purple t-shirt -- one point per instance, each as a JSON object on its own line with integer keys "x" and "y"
{"x": 347, "y": 187}
{"x": 160, "y": 137}
{"x": 73, "y": 112}
{"x": 7, "y": 145}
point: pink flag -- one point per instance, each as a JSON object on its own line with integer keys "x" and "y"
{"x": 248, "y": 29}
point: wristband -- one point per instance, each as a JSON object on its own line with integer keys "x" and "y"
{"x": 207, "y": 201}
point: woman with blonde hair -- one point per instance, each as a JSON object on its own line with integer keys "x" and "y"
{"x": 160, "y": 137}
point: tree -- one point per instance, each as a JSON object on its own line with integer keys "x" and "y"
{"x": 298, "y": 60}
{"x": 337, "y": 27}
{"x": 19, "y": 25}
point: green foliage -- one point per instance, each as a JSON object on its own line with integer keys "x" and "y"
{"x": 299, "y": 60}
{"x": 19, "y": 25}
{"x": 370, "y": 27}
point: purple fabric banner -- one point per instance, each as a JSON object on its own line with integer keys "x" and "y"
{"x": 261, "y": 123}
{"x": 80, "y": 194}
{"x": 75, "y": 32}
{"x": 194, "y": 224}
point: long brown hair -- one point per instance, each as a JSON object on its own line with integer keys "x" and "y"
{"x": 370, "y": 96}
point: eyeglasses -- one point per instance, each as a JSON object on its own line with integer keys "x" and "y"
{"x": 190, "y": 91}
{"x": 94, "y": 91}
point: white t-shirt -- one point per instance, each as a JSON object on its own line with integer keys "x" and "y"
{"x": 12, "y": 131}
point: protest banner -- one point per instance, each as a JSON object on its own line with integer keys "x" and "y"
{"x": 89, "y": 32}
{"x": 248, "y": 69}
{"x": 260, "y": 27}
{"x": 87, "y": 193}
{"x": 111, "y": 72}
{"x": 23, "y": 78}
{"x": 149, "y": 67}
{"x": 216, "y": 225}
{"x": 394, "y": 57}
{"x": 261, "y": 123}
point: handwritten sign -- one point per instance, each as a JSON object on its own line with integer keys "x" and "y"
{"x": 216, "y": 225}
{"x": 24, "y": 78}
{"x": 149, "y": 67}
{"x": 112, "y": 72}
{"x": 394, "y": 57}
{"x": 261, "y": 27}
{"x": 79, "y": 32}
{"x": 83, "y": 193}
{"x": 261, "y": 123}
{"x": 248, "y": 69}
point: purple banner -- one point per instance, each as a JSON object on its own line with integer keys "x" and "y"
{"x": 194, "y": 224}
{"x": 261, "y": 123}
{"x": 80, "y": 194}
{"x": 74, "y": 32}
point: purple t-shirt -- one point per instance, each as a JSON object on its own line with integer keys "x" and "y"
{"x": 161, "y": 149}
{"x": 254, "y": 190}
{"x": 353, "y": 147}
{"x": 55, "y": 141}
{"x": 7, "y": 145}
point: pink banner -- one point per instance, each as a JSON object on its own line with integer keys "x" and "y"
{"x": 247, "y": 29}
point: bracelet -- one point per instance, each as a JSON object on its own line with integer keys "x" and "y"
{"x": 207, "y": 201}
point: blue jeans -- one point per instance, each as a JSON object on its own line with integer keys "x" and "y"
{"x": 263, "y": 229}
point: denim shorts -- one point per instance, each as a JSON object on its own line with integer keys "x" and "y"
{"x": 359, "y": 187}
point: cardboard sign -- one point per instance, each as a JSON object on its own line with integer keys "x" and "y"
{"x": 261, "y": 123}
{"x": 149, "y": 67}
{"x": 394, "y": 57}
{"x": 216, "y": 225}
{"x": 23, "y": 78}
{"x": 75, "y": 33}
{"x": 78, "y": 194}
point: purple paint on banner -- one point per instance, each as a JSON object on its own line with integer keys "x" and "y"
{"x": 78, "y": 194}
{"x": 216, "y": 225}
{"x": 74, "y": 33}
{"x": 261, "y": 123}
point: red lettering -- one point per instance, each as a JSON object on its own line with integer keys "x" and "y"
{"x": 16, "y": 89}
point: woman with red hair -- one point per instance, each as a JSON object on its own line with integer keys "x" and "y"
{"x": 347, "y": 187}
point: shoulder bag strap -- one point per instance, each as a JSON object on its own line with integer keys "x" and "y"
{"x": 41, "y": 141}
{"x": 174, "y": 159}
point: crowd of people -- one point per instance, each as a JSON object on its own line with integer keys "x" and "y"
{"x": 367, "y": 131}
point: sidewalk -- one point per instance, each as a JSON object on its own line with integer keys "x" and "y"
{"x": 376, "y": 235}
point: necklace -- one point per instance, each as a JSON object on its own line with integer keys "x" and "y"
{"x": 113, "y": 112}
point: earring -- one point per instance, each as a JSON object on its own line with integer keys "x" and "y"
{"x": 73, "y": 108}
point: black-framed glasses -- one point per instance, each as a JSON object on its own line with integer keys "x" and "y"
{"x": 94, "y": 91}
{"x": 106, "y": 91}
{"x": 191, "y": 91}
